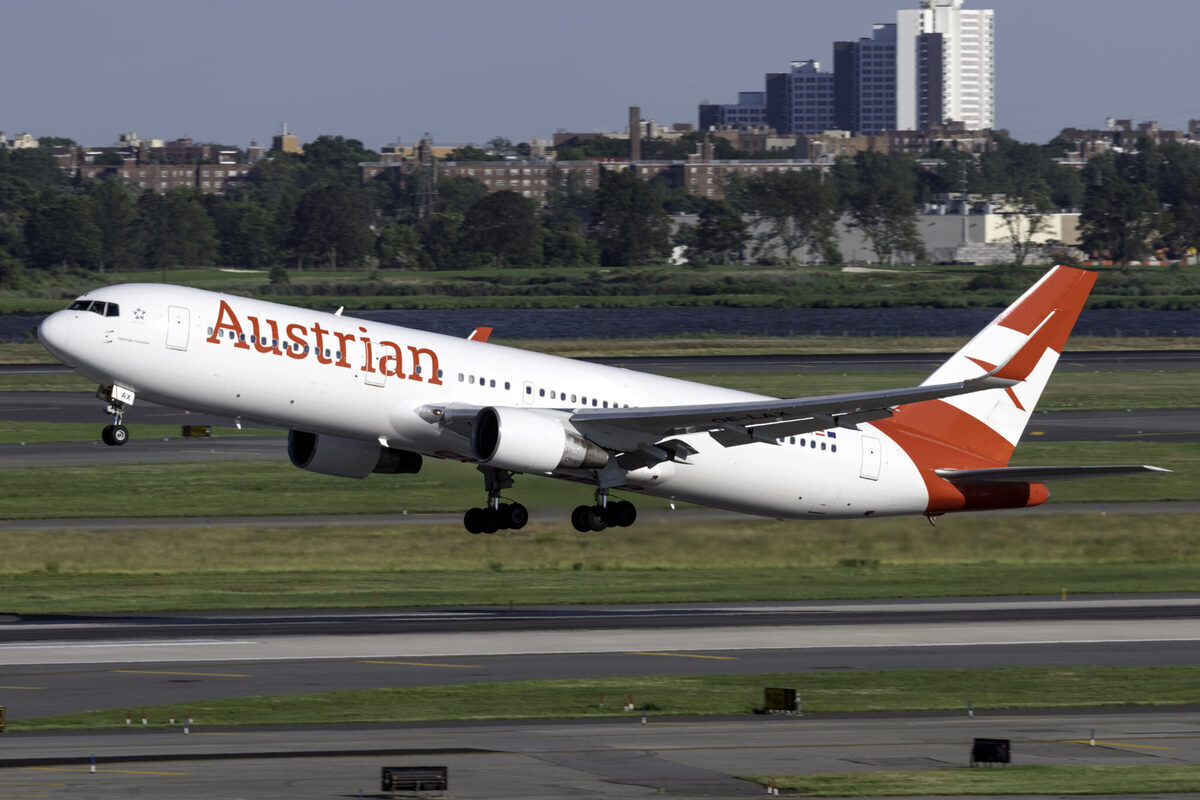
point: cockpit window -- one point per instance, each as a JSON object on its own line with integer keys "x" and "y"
{"x": 96, "y": 307}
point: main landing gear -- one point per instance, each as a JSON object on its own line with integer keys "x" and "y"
{"x": 617, "y": 513}
{"x": 496, "y": 515}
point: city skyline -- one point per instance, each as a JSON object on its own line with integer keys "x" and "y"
{"x": 469, "y": 70}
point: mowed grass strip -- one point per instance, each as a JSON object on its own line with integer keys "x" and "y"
{"x": 237, "y": 567}
{"x": 826, "y": 692}
{"x": 1012, "y": 780}
{"x": 35, "y": 432}
{"x": 257, "y": 488}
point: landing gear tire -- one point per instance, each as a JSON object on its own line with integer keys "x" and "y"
{"x": 578, "y": 520}
{"x": 114, "y": 435}
{"x": 589, "y": 519}
{"x": 620, "y": 514}
{"x": 509, "y": 516}
{"x": 513, "y": 516}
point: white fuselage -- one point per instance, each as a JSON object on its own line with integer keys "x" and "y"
{"x": 256, "y": 360}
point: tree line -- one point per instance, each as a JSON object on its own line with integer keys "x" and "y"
{"x": 297, "y": 212}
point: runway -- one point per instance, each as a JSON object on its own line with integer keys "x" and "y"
{"x": 71, "y": 660}
{"x": 73, "y": 663}
{"x": 696, "y": 758}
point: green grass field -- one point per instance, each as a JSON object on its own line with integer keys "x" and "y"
{"x": 234, "y": 567}
{"x": 672, "y": 695}
{"x": 1012, "y": 780}
{"x": 276, "y": 487}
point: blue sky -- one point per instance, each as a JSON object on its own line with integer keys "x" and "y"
{"x": 468, "y": 70}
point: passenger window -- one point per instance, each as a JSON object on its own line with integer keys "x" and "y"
{"x": 541, "y": 392}
{"x": 492, "y": 384}
{"x": 528, "y": 390}
{"x": 472, "y": 380}
{"x": 822, "y": 445}
{"x": 833, "y": 448}
{"x": 507, "y": 385}
{"x": 439, "y": 374}
{"x": 606, "y": 404}
{"x": 461, "y": 377}
{"x": 553, "y": 395}
{"x": 572, "y": 398}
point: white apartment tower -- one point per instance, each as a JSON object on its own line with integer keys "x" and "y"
{"x": 945, "y": 66}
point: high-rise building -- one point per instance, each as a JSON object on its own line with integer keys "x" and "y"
{"x": 864, "y": 80}
{"x": 800, "y": 101}
{"x": 749, "y": 111}
{"x": 945, "y": 66}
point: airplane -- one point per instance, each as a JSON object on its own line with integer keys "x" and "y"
{"x": 361, "y": 397}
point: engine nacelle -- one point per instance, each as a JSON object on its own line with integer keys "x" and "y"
{"x": 347, "y": 458}
{"x": 522, "y": 440}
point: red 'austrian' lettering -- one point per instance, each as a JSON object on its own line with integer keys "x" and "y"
{"x": 419, "y": 364}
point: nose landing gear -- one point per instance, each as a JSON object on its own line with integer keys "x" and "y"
{"x": 118, "y": 398}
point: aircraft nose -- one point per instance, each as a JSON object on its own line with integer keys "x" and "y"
{"x": 55, "y": 333}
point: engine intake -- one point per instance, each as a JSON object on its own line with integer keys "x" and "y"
{"x": 348, "y": 458}
{"x": 522, "y": 440}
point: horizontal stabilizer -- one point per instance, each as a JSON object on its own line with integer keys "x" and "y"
{"x": 1042, "y": 474}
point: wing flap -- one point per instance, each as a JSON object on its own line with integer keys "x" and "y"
{"x": 1043, "y": 474}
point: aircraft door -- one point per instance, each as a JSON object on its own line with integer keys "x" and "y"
{"x": 178, "y": 322}
{"x": 871, "y": 458}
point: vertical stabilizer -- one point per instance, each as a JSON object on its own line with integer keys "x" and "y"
{"x": 1024, "y": 342}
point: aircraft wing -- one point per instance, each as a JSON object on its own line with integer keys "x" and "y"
{"x": 760, "y": 420}
{"x": 1041, "y": 474}
{"x": 769, "y": 420}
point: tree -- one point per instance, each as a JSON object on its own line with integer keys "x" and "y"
{"x": 331, "y": 225}
{"x": 1026, "y": 216}
{"x": 174, "y": 230}
{"x": 398, "y": 247}
{"x": 456, "y": 195}
{"x": 503, "y": 228}
{"x": 565, "y": 245}
{"x": 248, "y": 232}
{"x": 469, "y": 152}
{"x": 719, "y": 235}
{"x": 879, "y": 194}
{"x": 800, "y": 212}
{"x": 334, "y": 159}
{"x": 632, "y": 225}
{"x": 114, "y": 210}
{"x": 61, "y": 231}
{"x": 1119, "y": 212}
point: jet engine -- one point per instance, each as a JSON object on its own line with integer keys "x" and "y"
{"x": 523, "y": 440}
{"x": 347, "y": 458}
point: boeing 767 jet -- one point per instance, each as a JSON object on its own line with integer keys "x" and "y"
{"x": 360, "y": 397}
